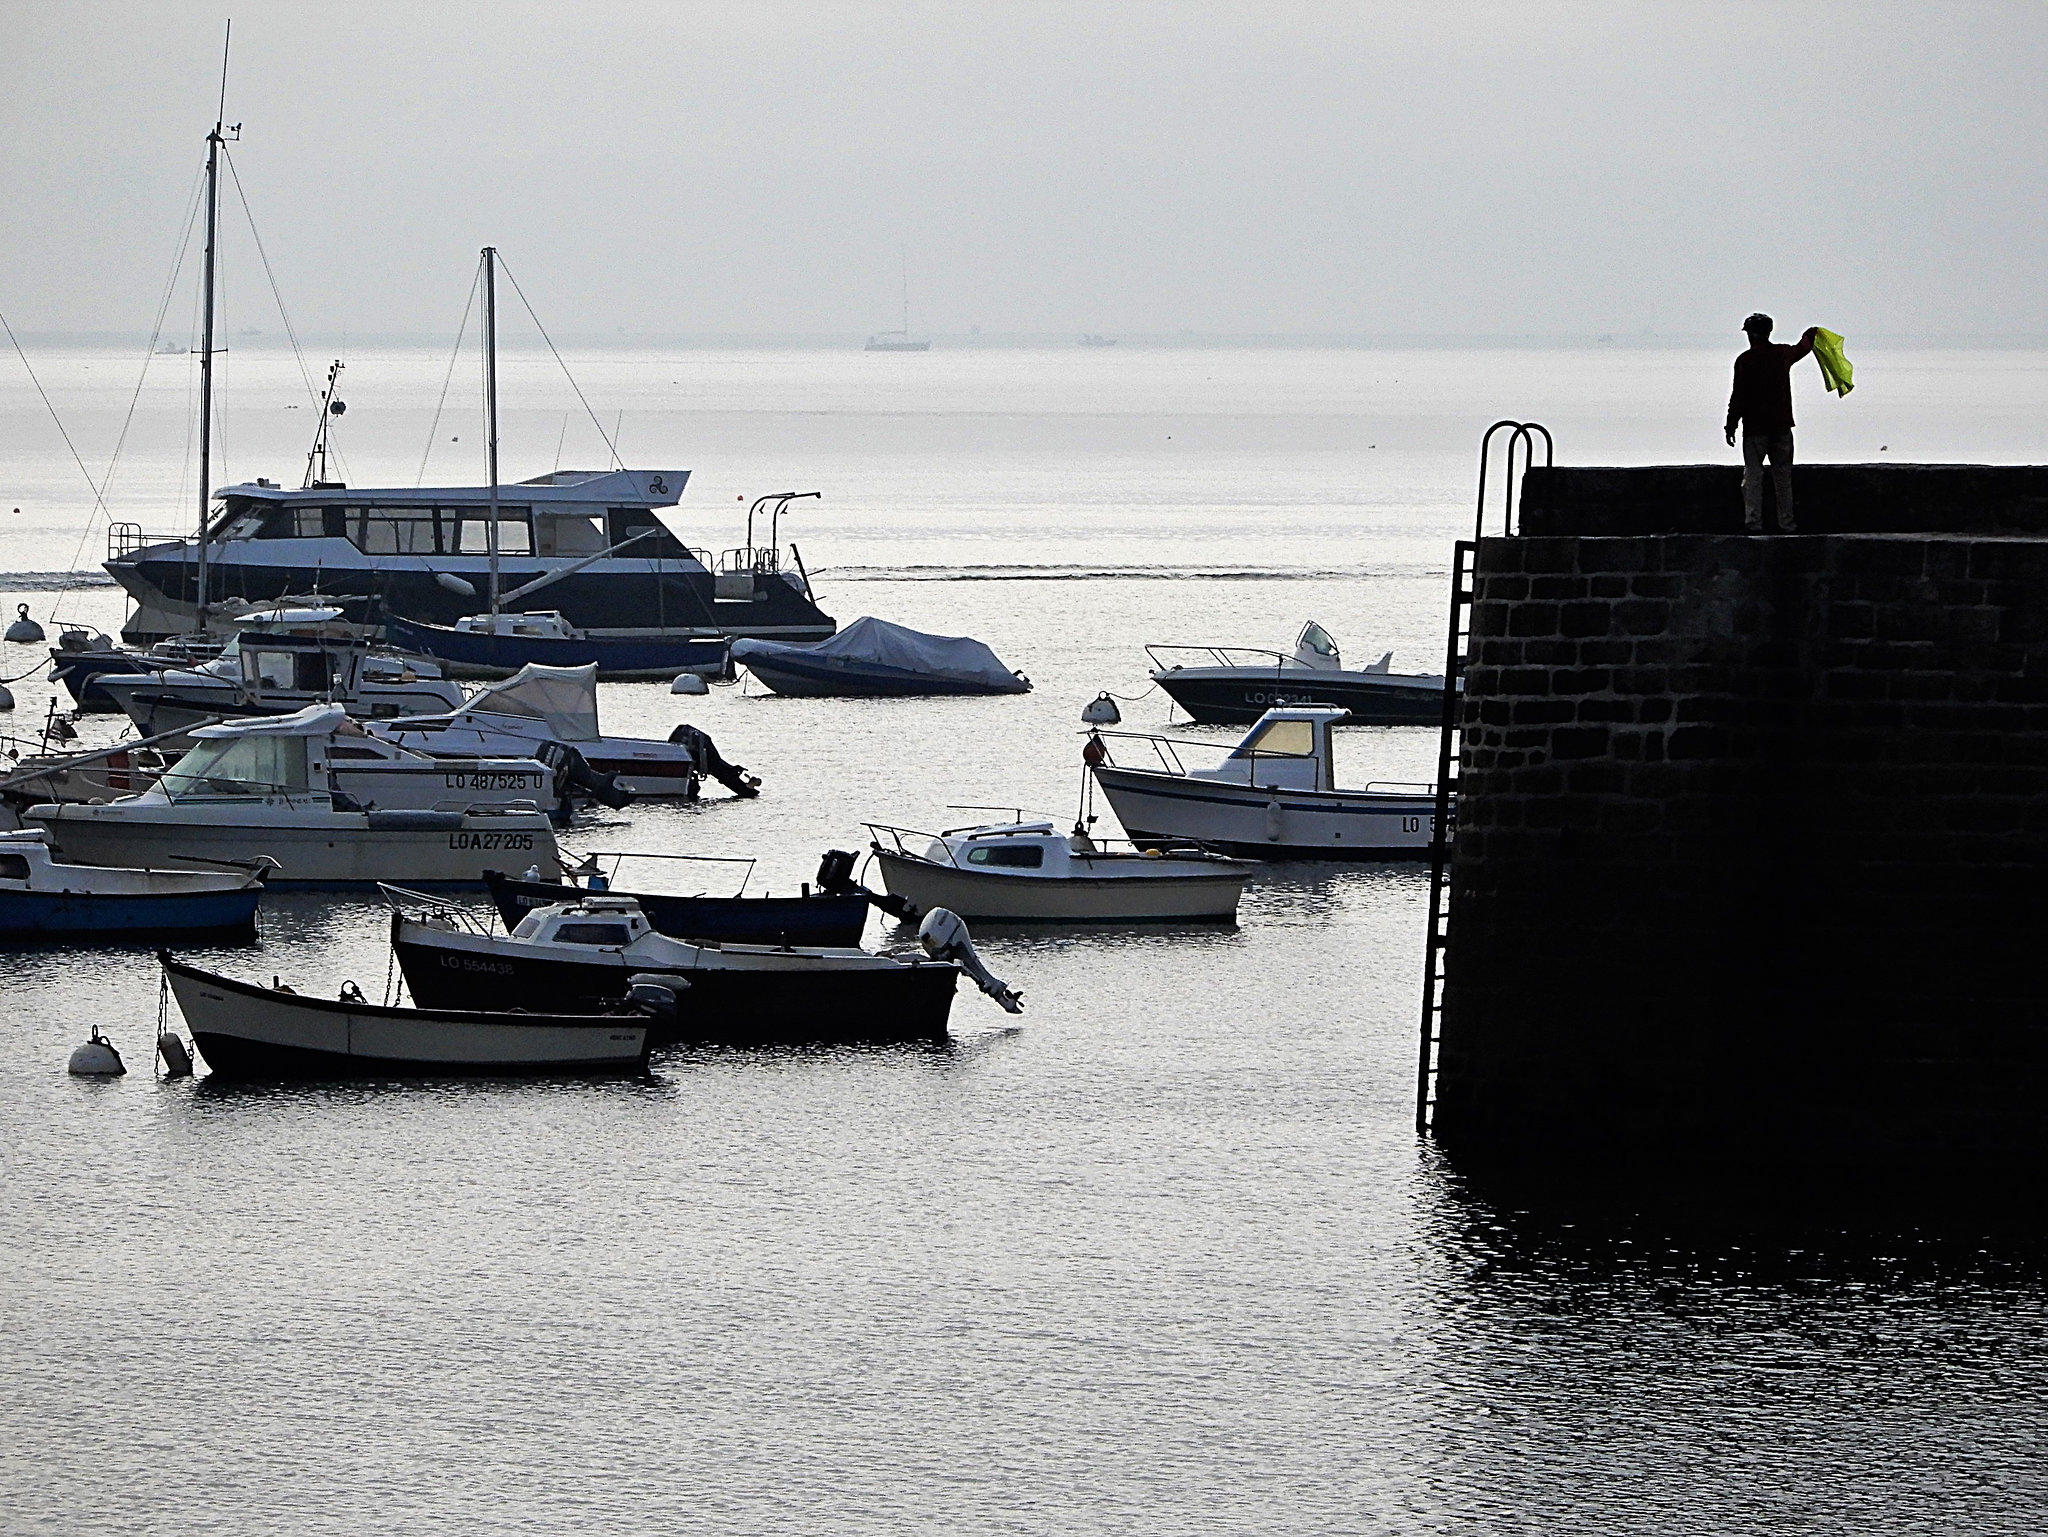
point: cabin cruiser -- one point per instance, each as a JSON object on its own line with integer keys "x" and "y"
{"x": 591, "y": 539}
{"x": 540, "y": 705}
{"x": 1030, "y": 871}
{"x": 284, "y": 788}
{"x": 41, "y": 897}
{"x": 600, "y": 950}
{"x": 280, "y": 661}
{"x": 1235, "y": 685}
{"x": 1274, "y": 796}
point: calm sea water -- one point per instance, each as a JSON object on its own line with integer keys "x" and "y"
{"x": 1163, "y": 1256}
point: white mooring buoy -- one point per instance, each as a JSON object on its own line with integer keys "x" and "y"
{"x": 1100, "y": 711}
{"x": 689, "y": 683}
{"x": 97, "y": 1059}
{"x": 177, "y": 1060}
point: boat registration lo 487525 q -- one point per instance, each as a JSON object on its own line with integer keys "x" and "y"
{"x": 1274, "y": 796}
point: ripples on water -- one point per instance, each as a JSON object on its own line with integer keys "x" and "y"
{"x": 1161, "y": 1257}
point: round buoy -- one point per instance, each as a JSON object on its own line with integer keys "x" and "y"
{"x": 97, "y": 1059}
{"x": 1100, "y": 711}
{"x": 24, "y": 630}
{"x": 177, "y": 1060}
{"x": 689, "y": 683}
{"x": 6, "y": 697}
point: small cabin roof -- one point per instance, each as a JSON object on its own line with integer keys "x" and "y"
{"x": 1002, "y": 830}
{"x": 313, "y": 720}
{"x": 592, "y": 490}
{"x": 1318, "y": 713}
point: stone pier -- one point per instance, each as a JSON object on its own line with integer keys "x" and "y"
{"x": 1752, "y": 846}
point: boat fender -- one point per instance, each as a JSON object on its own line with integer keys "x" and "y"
{"x": 1096, "y": 752}
{"x": 177, "y": 1060}
{"x": 97, "y": 1058}
{"x": 448, "y": 581}
{"x": 944, "y": 937}
{"x": 24, "y": 631}
{"x": 1273, "y": 821}
{"x": 1101, "y": 711}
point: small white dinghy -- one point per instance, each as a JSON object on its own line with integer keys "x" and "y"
{"x": 1027, "y": 871}
{"x": 245, "y": 1030}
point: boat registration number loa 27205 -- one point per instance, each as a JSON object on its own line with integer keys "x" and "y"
{"x": 469, "y": 840}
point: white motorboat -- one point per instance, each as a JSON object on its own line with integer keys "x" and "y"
{"x": 1030, "y": 871}
{"x": 41, "y": 897}
{"x": 245, "y": 1030}
{"x": 600, "y": 949}
{"x": 539, "y": 705}
{"x": 268, "y": 788}
{"x": 279, "y": 661}
{"x": 1235, "y": 685}
{"x": 1274, "y": 796}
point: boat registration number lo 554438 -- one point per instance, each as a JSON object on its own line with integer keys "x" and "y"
{"x": 490, "y": 840}
{"x": 499, "y": 781}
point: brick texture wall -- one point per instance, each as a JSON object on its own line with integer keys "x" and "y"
{"x": 1752, "y": 853}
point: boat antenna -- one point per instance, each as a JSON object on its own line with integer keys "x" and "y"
{"x": 214, "y": 140}
{"x": 490, "y": 261}
{"x": 330, "y": 408}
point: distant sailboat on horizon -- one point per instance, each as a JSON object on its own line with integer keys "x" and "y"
{"x": 899, "y": 341}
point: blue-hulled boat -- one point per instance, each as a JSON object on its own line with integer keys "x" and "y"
{"x": 43, "y": 898}
{"x": 496, "y": 646}
{"x": 874, "y": 659}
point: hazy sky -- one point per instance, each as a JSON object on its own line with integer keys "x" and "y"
{"x": 1261, "y": 167}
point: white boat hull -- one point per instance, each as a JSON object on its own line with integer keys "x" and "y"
{"x": 251, "y": 1032}
{"x": 1191, "y": 896}
{"x": 311, "y": 846}
{"x": 1260, "y": 823}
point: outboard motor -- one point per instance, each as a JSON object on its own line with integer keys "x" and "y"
{"x": 657, "y": 997}
{"x": 944, "y": 937}
{"x": 704, "y": 753}
{"x": 573, "y": 773}
{"x": 835, "y": 878}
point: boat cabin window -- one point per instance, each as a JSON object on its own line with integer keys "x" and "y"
{"x": 1013, "y": 856}
{"x": 1296, "y": 738}
{"x": 589, "y": 934}
{"x": 568, "y": 534}
{"x": 627, "y": 521}
{"x": 514, "y": 536}
{"x": 309, "y": 672}
{"x": 13, "y": 867}
{"x": 239, "y": 766}
{"x": 393, "y": 530}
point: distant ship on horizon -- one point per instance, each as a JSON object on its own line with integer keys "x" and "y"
{"x": 1092, "y": 340}
{"x": 899, "y": 341}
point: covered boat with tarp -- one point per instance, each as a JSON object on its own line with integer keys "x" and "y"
{"x": 872, "y": 658}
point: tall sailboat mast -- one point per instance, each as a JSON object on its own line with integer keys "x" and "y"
{"x": 214, "y": 141}
{"x": 491, "y": 408}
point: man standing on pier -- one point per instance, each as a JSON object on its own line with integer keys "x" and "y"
{"x": 1762, "y": 403}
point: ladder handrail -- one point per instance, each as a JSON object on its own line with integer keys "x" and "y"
{"x": 1464, "y": 553}
{"x": 1522, "y": 435}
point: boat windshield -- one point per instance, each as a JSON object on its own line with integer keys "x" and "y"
{"x": 1289, "y": 738}
{"x": 239, "y": 766}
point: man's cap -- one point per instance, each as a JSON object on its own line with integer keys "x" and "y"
{"x": 1759, "y": 322}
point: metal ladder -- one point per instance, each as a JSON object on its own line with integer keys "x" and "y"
{"x": 1450, "y": 753}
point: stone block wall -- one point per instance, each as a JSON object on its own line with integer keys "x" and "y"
{"x": 1752, "y": 853}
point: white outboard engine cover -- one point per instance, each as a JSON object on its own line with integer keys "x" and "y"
{"x": 944, "y": 937}
{"x": 97, "y": 1059}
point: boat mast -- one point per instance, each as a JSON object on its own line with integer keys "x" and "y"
{"x": 214, "y": 141}
{"x": 491, "y": 408}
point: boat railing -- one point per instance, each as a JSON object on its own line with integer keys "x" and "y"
{"x": 618, "y": 857}
{"x": 1166, "y": 750}
{"x": 879, "y": 830}
{"x": 455, "y": 914}
{"x": 1226, "y": 656}
{"x": 750, "y": 560}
